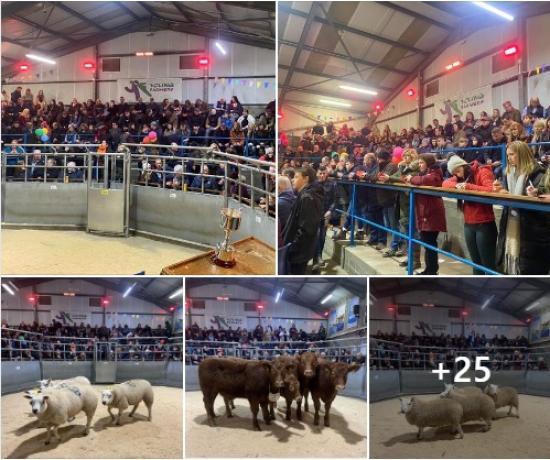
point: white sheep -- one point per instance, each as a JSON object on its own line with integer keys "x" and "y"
{"x": 505, "y": 396}
{"x": 49, "y": 383}
{"x": 126, "y": 394}
{"x": 433, "y": 413}
{"x": 56, "y": 406}
{"x": 468, "y": 389}
{"x": 476, "y": 405}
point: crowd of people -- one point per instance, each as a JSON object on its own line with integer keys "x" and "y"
{"x": 400, "y": 351}
{"x": 185, "y": 127}
{"x": 316, "y": 176}
{"x": 57, "y": 341}
{"x": 259, "y": 334}
{"x": 263, "y": 343}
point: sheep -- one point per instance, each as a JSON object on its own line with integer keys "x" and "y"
{"x": 469, "y": 389}
{"x": 433, "y": 413}
{"x": 49, "y": 383}
{"x": 476, "y": 405}
{"x": 56, "y": 406}
{"x": 505, "y": 396}
{"x": 125, "y": 394}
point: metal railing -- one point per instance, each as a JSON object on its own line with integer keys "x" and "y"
{"x": 346, "y": 350}
{"x": 58, "y": 348}
{"x": 252, "y": 182}
{"x": 398, "y": 356}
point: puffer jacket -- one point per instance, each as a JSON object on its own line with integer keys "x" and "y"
{"x": 429, "y": 210}
{"x": 482, "y": 181}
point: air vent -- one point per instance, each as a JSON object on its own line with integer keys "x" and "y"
{"x": 502, "y": 62}
{"x": 404, "y": 311}
{"x": 94, "y": 301}
{"x": 44, "y": 300}
{"x": 110, "y": 65}
{"x": 250, "y": 306}
{"x": 454, "y": 313}
{"x": 432, "y": 88}
{"x": 188, "y": 61}
{"x": 198, "y": 304}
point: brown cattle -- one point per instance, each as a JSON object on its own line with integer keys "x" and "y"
{"x": 239, "y": 378}
{"x": 307, "y": 368}
{"x": 329, "y": 379}
{"x": 288, "y": 367}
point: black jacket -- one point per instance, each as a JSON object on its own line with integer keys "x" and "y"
{"x": 303, "y": 224}
{"x": 534, "y": 229}
{"x": 286, "y": 200}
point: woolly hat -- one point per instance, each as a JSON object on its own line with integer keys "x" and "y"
{"x": 454, "y": 162}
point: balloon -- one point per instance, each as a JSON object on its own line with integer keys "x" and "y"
{"x": 45, "y": 130}
{"x": 146, "y": 140}
{"x": 153, "y": 135}
{"x": 44, "y": 138}
{"x": 37, "y": 131}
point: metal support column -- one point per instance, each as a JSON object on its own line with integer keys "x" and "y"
{"x": 410, "y": 246}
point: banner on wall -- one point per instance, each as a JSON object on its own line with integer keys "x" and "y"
{"x": 472, "y": 101}
{"x": 158, "y": 88}
{"x": 540, "y": 329}
{"x": 226, "y": 322}
{"x": 430, "y": 321}
{"x": 72, "y": 318}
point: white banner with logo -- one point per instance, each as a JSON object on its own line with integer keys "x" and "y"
{"x": 70, "y": 318}
{"x": 158, "y": 88}
{"x": 226, "y": 322}
{"x": 430, "y": 321}
{"x": 475, "y": 101}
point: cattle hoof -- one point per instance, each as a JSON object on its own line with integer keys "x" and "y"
{"x": 327, "y": 423}
{"x": 316, "y": 421}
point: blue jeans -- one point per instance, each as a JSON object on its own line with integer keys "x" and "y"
{"x": 374, "y": 214}
{"x": 391, "y": 222}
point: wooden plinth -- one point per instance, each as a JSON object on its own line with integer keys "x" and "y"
{"x": 253, "y": 258}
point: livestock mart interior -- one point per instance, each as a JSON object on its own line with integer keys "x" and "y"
{"x": 418, "y": 325}
{"x": 347, "y": 435}
{"x": 23, "y": 437}
{"x": 262, "y": 319}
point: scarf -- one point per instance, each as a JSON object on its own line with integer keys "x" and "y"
{"x": 516, "y": 185}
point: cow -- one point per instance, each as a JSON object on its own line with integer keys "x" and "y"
{"x": 288, "y": 367}
{"x": 307, "y": 368}
{"x": 257, "y": 381}
{"x": 329, "y": 379}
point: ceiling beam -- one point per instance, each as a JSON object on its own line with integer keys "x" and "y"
{"x": 14, "y": 41}
{"x": 185, "y": 13}
{"x": 127, "y": 10}
{"x": 16, "y": 7}
{"x": 55, "y": 33}
{"x": 342, "y": 56}
{"x": 76, "y": 14}
{"x": 299, "y": 47}
{"x": 333, "y": 77}
{"x": 291, "y": 102}
{"x": 353, "y": 30}
{"x": 415, "y": 15}
{"x": 259, "y": 6}
{"x": 321, "y": 92}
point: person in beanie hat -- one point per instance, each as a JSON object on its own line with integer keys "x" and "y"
{"x": 480, "y": 230}
{"x": 429, "y": 210}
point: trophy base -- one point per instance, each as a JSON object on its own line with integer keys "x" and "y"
{"x": 224, "y": 258}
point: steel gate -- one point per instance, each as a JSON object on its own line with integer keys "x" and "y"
{"x": 105, "y": 361}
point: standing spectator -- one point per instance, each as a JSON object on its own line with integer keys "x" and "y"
{"x": 480, "y": 230}
{"x": 286, "y": 200}
{"x": 329, "y": 198}
{"x": 429, "y": 210}
{"x": 387, "y": 199}
{"x": 523, "y": 245}
{"x": 16, "y": 94}
{"x": 301, "y": 229}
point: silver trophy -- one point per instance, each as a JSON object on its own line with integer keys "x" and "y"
{"x": 224, "y": 255}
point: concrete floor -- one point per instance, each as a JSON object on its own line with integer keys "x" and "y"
{"x": 63, "y": 252}
{"x": 363, "y": 259}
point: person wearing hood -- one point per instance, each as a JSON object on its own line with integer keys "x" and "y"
{"x": 300, "y": 232}
{"x": 480, "y": 230}
{"x": 429, "y": 210}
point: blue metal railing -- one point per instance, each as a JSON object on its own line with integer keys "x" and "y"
{"x": 509, "y": 201}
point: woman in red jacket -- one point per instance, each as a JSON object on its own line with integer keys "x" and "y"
{"x": 480, "y": 229}
{"x": 429, "y": 210}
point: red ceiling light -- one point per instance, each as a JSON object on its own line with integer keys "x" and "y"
{"x": 378, "y": 107}
{"x": 32, "y": 299}
{"x": 188, "y": 303}
{"x": 391, "y": 308}
{"x": 105, "y": 302}
{"x": 464, "y": 313}
{"x": 528, "y": 320}
{"x": 326, "y": 313}
{"x": 172, "y": 308}
{"x": 24, "y": 67}
{"x": 453, "y": 65}
{"x": 511, "y": 50}
{"x": 204, "y": 61}
{"x": 260, "y": 306}
{"x": 88, "y": 65}
{"x": 410, "y": 92}
{"x": 279, "y": 115}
